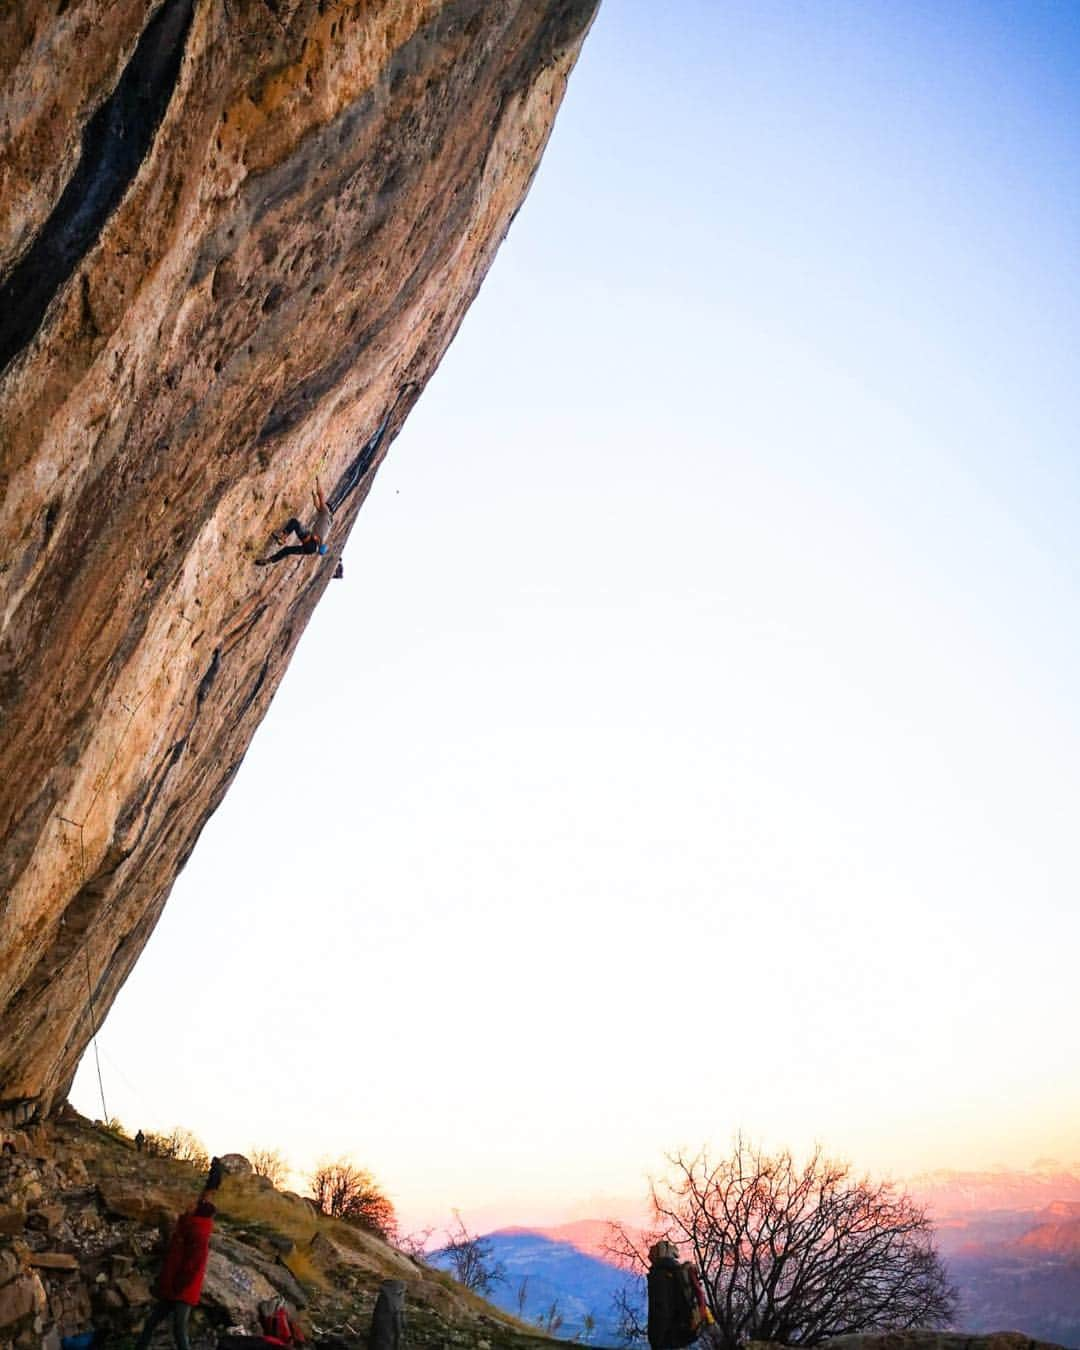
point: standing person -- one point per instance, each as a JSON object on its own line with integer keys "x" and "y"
{"x": 388, "y": 1318}
{"x": 315, "y": 540}
{"x": 674, "y": 1319}
{"x": 181, "y": 1279}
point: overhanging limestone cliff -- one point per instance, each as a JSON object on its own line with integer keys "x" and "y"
{"x": 225, "y": 251}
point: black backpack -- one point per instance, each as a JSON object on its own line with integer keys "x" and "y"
{"x": 674, "y": 1320}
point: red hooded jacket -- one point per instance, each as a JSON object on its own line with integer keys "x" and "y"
{"x": 280, "y": 1329}
{"x": 184, "y": 1267}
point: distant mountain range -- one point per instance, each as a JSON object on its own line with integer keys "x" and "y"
{"x": 951, "y": 1193}
{"x": 1058, "y": 1231}
{"x": 562, "y": 1269}
{"x": 1011, "y": 1241}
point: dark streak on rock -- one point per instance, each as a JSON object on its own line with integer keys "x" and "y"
{"x": 253, "y": 694}
{"x": 79, "y": 915}
{"x": 171, "y": 762}
{"x": 207, "y": 681}
{"x": 24, "y": 832}
{"x": 115, "y": 142}
{"x": 242, "y": 629}
{"x": 51, "y": 513}
{"x": 363, "y": 461}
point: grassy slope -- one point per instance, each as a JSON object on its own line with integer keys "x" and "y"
{"x": 338, "y": 1266}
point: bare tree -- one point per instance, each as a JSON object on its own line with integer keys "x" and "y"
{"x": 629, "y": 1305}
{"x": 269, "y": 1163}
{"x": 415, "y": 1244}
{"x": 551, "y": 1319}
{"x": 346, "y": 1192}
{"x": 795, "y": 1254}
{"x": 588, "y": 1327}
{"x": 472, "y": 1259}
{"x": 522, "y": 1295}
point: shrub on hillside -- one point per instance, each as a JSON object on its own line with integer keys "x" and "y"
{"x": 179, "y": 1144}
{"x": 346, "y": 1192}
{"x": 269, "y": 1163}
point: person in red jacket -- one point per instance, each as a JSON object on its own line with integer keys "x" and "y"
{"x": 181, "y": 1279}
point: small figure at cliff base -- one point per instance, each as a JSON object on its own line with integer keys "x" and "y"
{"x": 315, "y": 540}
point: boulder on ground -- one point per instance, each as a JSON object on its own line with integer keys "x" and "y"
{"x": 235, "y": 1165}
{"x": 281, "y": 1278}
{"x": 235, "y": 1290}
{"x": 54, "y": 1261}
{"x": 130, "y": 1200}
{"x": 46, "y": 1218}
{"x": 351, "y": 1246}
{"x": 22, "y": 1297}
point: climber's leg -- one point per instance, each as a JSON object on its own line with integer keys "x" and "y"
{"x": 309, "y": 544}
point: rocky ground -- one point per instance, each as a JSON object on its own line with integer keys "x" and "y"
{"x": 83, "y": 1220}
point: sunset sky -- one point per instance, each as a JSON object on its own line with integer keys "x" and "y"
{"x": 694, "y": 741}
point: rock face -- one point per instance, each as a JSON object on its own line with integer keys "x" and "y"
{"x": 236, "y": 237}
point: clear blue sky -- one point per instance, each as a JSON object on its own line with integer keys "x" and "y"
{"x": 703, "y": 687}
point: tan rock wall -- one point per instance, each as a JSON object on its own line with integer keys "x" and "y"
{"x": 325, "y": 191}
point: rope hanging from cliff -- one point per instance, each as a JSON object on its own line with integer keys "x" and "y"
{"x": 86, "y": 957}
{"x": 89, "y": 981}
{"x": 93, "y": 1031}
{"x": 80, "y": 825}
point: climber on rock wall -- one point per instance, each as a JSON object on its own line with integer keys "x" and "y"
{"x": 315, "y": 540}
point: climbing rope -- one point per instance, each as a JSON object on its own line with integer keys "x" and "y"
{"x": 86, "y": 957}
{"x": 93, "y": 1035}
{"x": 86, "y": 953}
{"x": 80, "y": 826}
